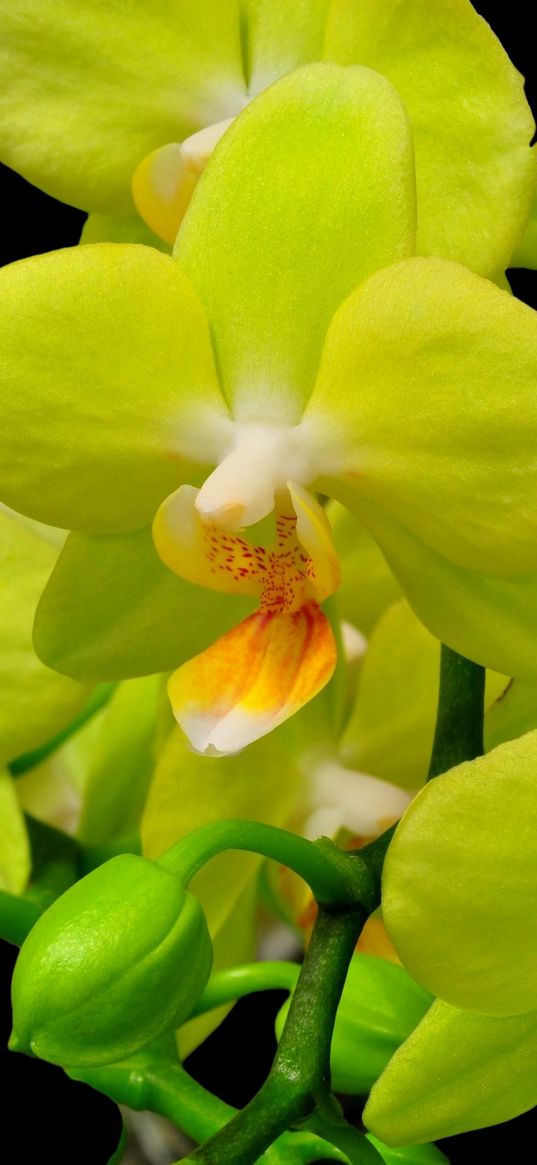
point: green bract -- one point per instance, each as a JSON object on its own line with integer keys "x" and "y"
{"x": 457, "y": 1071}
{"x": 460, "y": 883}
{"x": 161, "y": 368}
{"x": 119, "y": 959}
{"x": 117, "y": 82}
{"x": 379, "y": 1008}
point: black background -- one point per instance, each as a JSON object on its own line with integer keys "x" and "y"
{"x": 36, "y": 1097}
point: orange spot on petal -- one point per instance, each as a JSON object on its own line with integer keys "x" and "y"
{"x": 253, "y": 678}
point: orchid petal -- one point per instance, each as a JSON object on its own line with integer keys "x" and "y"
{"x": 15, "y": 857}
{"x": 471, "y": 123}
{"x": 114, "y": 82}
{"x": 426, "y": 407}
{"x": 318, "y": 182}
{"x": 162, "y": 187}
{"x": 368, "y": 586}
{"x": 457, "y": 1071}
{"x": 35, "y": 702}
{"x": 525, "y": 253}
{"x": 112, "y": 610}
{"x": 118, "y": 344}
{"x": 281, "y": 37}
{"x": 475, "y": 951}
{"x": 124, "y": 745}
{"x": 116, "y": 228}
{"x": 314, "y": 534}
{"x": 513, "y": 713}
{"x": 201, "y": 551}
{"x": 359, "y": 802}
{"x": 486, "y": 618}
{"x": 391, "y": 727}
{"x": 253, "y": 678}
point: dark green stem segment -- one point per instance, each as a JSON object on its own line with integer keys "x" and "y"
{"x": 459, "y": 724}
{"x": 300, "y": 1075}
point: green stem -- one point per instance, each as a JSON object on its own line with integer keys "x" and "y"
{"x": 300, "y": 1075}
{"x": 322, "y": 865}
{"x": 459, "y": 723}
{"x": 236, "y": 982}
{"x": 98, "y": 699}
{"x": 161, "y": 1084}
{"x": 190, "y": 1107}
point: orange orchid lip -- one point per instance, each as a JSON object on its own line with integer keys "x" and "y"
{"x": 279, "y": 658}
{"x": 253, "y": 678}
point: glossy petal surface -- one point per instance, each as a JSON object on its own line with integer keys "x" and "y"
{"x": 112, "y": 610}
{"x": 120, "y": 228}
{"x": 390, "y": 731}
{"x": 368, "y": 586}
{"x": 525, "y": 253}
{"x": 15, "y": 857}
{"x": 108, "y": 384}
{"x": 253, "y": 678}
{"x": 460, "y": 883}
{"x": 34, "y": 701}
{"x": 114, "y": 82}
{"x": 427, "y": 391}
{"x": 319, "y": 179}
{"x": 470, "y": 120}
{"x": 457, "y": 1071}
{"x": 489, "y": 619}
{"x": 120, "y": 763}
{"x": 281, "y": 37}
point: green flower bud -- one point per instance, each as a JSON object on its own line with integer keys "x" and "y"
{"x": 119, "y": 959}
{"x": 380, "y": 1006}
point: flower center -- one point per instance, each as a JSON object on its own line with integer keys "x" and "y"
{"x": 245, "y": 485}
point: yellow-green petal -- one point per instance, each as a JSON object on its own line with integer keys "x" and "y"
{"x": 459, "y": 886}
{"x": 281, "y": 36}
{"x": 307, "y": 193}
{"x": 120, "y": 764}
{"x": 15, "y": 858}
{"x": 116, "y": 228}
{"x": 471, "y": 123}
{"x": 108, "y": 385}
{"x": 390, "y": 732}
{"x": 426, "y": 406}
{"x": 34, "y": 701}
{"x": 391, "y": 728}
{"x": 486, "y": 618}
{"x": 513, "y": 712}
{"x": 457, "y": 1071}
{"x": 368, "y": 586}
{"x": 525, "y": 252}
{"x": 89, "y": 89}
{"x": 112, "y": 610}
